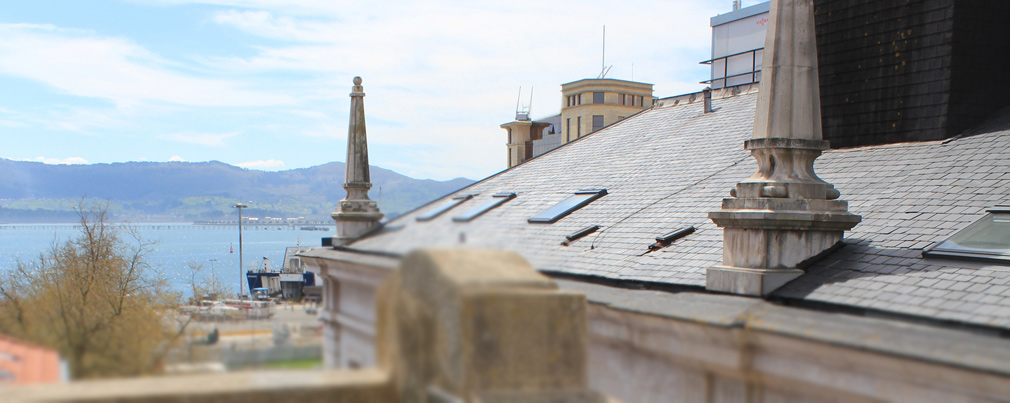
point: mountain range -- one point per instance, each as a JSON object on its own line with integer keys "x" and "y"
{"x": 190, "y": 191}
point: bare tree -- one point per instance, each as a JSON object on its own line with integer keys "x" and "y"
{"x": 93, "y": 298}
{"x": 203, "y": 287}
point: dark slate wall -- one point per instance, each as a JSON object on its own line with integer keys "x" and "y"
{"x": 980, "y": 81}
{"x": 910, "y": 70}
{"x": 884, "y": 69}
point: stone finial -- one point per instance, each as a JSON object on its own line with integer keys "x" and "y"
{"x": 783, "y": 216}
{"x": 356, "y": 214}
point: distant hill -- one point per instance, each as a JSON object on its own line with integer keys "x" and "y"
{"x": 187, "y": 191}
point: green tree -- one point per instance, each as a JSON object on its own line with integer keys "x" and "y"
{"x": 93, "y": 298}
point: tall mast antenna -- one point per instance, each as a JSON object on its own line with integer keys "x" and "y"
{"x": 603, "y": 61}
{"x": 530, "y": 107}
{"x": 519, "y": 97}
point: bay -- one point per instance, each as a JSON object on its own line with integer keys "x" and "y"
{"x": 177, "y": 245}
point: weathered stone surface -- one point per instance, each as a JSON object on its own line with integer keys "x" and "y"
{"x": 774, "y": 249}
{"x": 753, "y": 282}
{"x": 789, "y": 103}
{"x": 480, "y": 325}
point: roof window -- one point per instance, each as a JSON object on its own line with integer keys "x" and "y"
{"x": 567, "y": 206}
{"x": 985, "y": 239}
{"x": 455, "y": 201}
{"x": 496, "y": 200}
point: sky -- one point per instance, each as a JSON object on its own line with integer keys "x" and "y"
{"x": 263, "y": 84}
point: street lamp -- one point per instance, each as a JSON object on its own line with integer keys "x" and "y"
{"x": 241, "y": 276}
{"x": 213, "y": 277}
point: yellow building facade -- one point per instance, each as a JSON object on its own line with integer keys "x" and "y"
{"x": 591, "y": 104}
{"x": 587, "y": 105}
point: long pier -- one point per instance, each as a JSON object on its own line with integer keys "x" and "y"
{"x": 177, "y": 226}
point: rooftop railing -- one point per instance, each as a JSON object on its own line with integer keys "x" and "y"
{"x": 749, "y": 77}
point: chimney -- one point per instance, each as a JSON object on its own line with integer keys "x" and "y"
{"x": 783, "y": 216}
{"x": 356, "y": 214}
{"x": 736, "y": 5}
{"x": 707, "y": 93}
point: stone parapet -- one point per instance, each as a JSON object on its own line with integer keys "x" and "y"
{"x": 303, "y": 386}
{"x": 485, "y": 326}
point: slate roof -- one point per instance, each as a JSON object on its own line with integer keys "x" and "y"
{"x": 667, "y": 167}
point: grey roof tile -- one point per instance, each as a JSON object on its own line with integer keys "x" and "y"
{"x": 669, "y": 166}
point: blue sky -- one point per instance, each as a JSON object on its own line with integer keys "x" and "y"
{"x": 263, "y": 84}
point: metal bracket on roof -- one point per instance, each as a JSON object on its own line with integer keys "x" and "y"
{"x": 579, "y": 234}
{"x": 666, "y": 239}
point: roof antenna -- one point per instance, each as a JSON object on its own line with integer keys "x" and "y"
{"x": 529, "y": 107}
{"x": 523, "y": 111}
{"x": 603, "y": 61}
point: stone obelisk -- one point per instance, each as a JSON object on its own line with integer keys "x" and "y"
{"x": 356, "y": 214}
{"x": 783, "y": 216}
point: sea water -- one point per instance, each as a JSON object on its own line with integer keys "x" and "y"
{"x": 175, "y": 247}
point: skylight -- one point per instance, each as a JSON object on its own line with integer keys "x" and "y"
{"x": 986, "y": 239}
{"x": 455, "y": 201}
{"x": 496, "y": 200}
{"x": 567, "y": 206}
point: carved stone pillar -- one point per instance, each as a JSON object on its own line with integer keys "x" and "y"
{"x": 356, "y": 214}
{"x": 783, "y": 216}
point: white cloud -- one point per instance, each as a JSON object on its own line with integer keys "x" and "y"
{"x": 204, "y": 139}
{"x": 84, "y": 64}
{"x": 58, "y": 161}
{"x": 176, "y": 158}
{"x": 262, "y": 165}
{"x": 440, "y": 75}
{"x": 443, "y": 76}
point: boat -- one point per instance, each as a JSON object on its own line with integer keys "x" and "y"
{"x": 288, "y": 283}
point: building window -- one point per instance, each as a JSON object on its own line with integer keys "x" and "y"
{"x": 985, "y": 239}
{"x": 567, "y": 206}
{"x": 598, "y": 98}
{"x": 578, "y": 125}
{"x": 578, "y": 99}
{"x": 623, "y": 100}
{"x": 597, "y": 122}
{"x": 640, "y": 101}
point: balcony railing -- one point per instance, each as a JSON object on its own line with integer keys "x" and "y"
{"x": 751, "y": 76}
